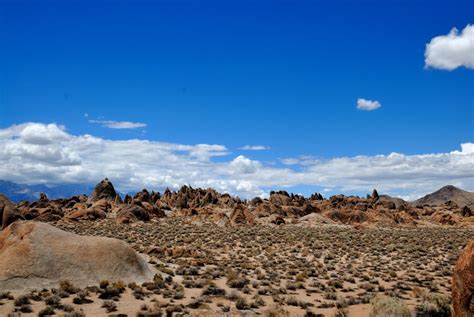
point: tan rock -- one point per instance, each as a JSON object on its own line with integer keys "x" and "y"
{"x": 463, "y": 283}
{"x": 37, "y": 255}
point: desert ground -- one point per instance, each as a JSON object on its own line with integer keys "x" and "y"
{"x": 266, "y": 270}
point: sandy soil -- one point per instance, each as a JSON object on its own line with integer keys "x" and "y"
{"x": 287, "y": 270}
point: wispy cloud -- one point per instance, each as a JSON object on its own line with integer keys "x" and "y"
{"x": 254, "y": 148}
{"x": 46, "y": 153}
{"x": 451, "y": 51}
{"x": 367, "y": 105}
{"x": 119, "y": 124}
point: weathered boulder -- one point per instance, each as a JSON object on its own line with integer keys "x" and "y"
{"x": 132, "y": 213}
{"x": 463, "y": 283}
{"x": 348, "y": 216}
{"x": 8, "y": 212}
{"x": 91, "y": 213}
{"x": 105, "y": 190}
{"x": 240, "y": 216}
{"x": 37, "y": 255}
{"x": 280, "y": 198}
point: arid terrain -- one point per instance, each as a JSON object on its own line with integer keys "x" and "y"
{"x": 216, "y": 255}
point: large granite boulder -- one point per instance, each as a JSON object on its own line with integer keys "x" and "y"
{"x": 37, "y": 255}
{"x": 463, "y": 283}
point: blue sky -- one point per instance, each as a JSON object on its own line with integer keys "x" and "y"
{"x": 283, "y": 74}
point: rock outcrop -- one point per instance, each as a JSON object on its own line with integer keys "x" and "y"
{"x": 37, "y": 255}
{"x": 463, "y": 283}
{"x": 8, "y": 212}
{"x": 200, "y": 206}
{"x": 104, "y": 190}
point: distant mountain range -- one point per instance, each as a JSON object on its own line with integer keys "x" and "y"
{"x": 18, "y": 192}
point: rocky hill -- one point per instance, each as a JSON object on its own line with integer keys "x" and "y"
{"x": 446, "y": 195}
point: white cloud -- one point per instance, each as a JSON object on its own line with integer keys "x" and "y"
{"x": 451, "y": 51}
{"x": 46, "y": 153}
{"x": 119, "y": 124}
{"x": 254, "y": 148}
{"x": 367, "y": 105}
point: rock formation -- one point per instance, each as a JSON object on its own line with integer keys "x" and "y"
{"x": 8, "y": 212}
{"x": 104, "y": 190}
{"x": 207, "y": 205}
{"x": 37, "y": 255}
{"x": 463, "y": 283}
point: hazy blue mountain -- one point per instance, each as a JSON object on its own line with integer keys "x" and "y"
{"x": 18, "y": 192}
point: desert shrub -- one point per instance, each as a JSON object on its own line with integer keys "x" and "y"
{"x": 195, "y": 303}
{"x": 330, "y": 295}
{"x": 109, "y": 306}
{"x": 275, "y": 311}
{"x": 68, "y": 308}
{"x": 120, "y": 285}
{"x": 6, "y": 295}
{"x": 301, "y": 277}
{"x": 104, "y": 284}
{"x": 241, "y": 304}
{"x": 233, "y": 296}
{"x": 258, "y": 301}
{"x": 434, "y": 305}
{"x": 109, "y": 292}
{"x": 292, "y": 301}
{"x": 26, "y": 309}
{"x": 81, "y": 298}
{"x": 150, "y": 311}
{"x": 178, "y": 295}
{"x": 238, "y": 283}
{"x": 213, "y": 291}
{"x": 47, "y": 311}
{"x": 66, "y": 286}
{"x": 389, "y": 307}
{"x": 291, "y": 286}
{"x": 53, "y": 301}
{"x": 173, "y": 309}
{"x": 22, "y": 300}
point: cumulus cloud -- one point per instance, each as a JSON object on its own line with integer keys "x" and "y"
{"x": 452, "y": 50}
{"x": 367, "y": 105}
{"x": 254, "y": 148}
{"x": 46, "y": 153}
{"x": 119, "y": 124}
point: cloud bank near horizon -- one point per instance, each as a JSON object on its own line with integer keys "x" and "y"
{"x": 34, "y": 153}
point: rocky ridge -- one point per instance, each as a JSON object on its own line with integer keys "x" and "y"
{"x": 197, "y": 205}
